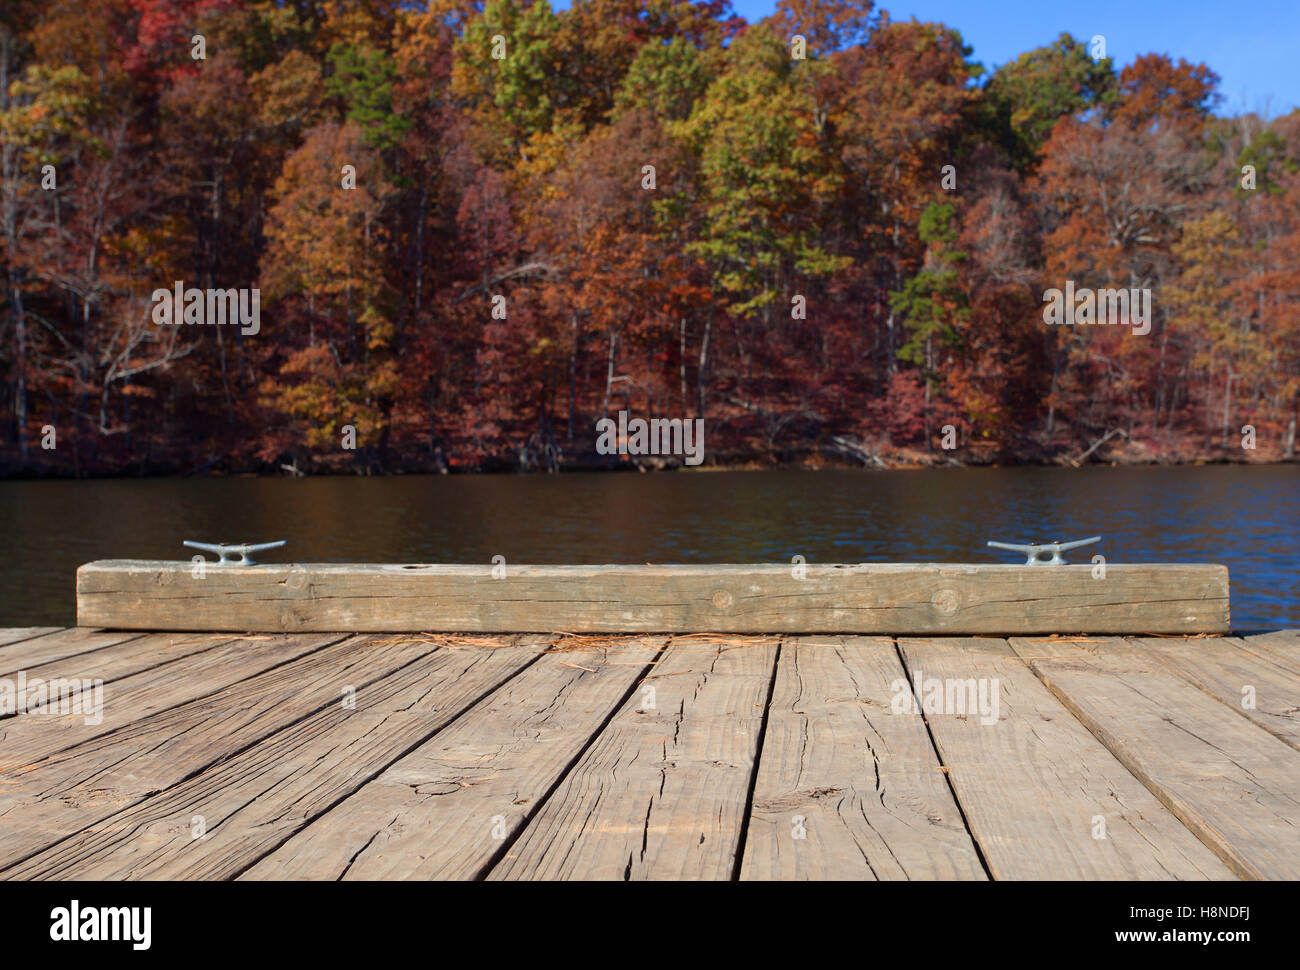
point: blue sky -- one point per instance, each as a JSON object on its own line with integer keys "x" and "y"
{"x": 1253, "y": 45}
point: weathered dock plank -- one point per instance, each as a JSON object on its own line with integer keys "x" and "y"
{"x": 130, "y": 655}
{"x": 1280, "y": 647}
{"x": 662, "y": 793}
{"x": 1042, "y": 797}
{"x": 886, "y": 598}
{"x": 638, "y": 756}
{"x": 1264, "y": 690}
{"x": 282, "y": 782}
{"x": 27, "y": 653}
{"x": 19, "y": 633}
{"x": 217, "y": 662}
{"x": 846, "y": 788}
{"x": 448, "y": 808}
{"x": 80, "y": 787}
{"x": 1232, "y": 783}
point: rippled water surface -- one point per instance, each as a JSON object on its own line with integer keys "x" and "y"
{"x": 1245, "y": 517}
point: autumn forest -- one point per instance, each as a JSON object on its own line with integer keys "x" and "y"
{"x": 477, "y": 229}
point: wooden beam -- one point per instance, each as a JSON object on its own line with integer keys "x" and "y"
{"x": 890, "y": 598}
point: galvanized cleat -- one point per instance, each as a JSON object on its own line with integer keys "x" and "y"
{"x": 243, "y": 550}
{"x": 1036, "y": 552}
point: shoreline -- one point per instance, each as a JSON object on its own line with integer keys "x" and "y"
{"x": 901, "y": 461}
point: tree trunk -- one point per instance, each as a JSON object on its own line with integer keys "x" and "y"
{"x": 682, "y": 359}
{"x": 419, "y": 245}
{"x": 573, "y": 375}
{"x": 929, "y": 369}
{"x": 1051, "y": 393}
{"x": 699, "y": 374}
{"x": 609, "y": 373}
{"x": 1227, "y": 405}
{"x": 20, "y": 360}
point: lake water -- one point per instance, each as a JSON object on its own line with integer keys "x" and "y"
{"x": 1244, "y": 517}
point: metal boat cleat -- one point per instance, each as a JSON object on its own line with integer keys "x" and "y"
{"x": 234, "y": 554}
{"x": 1038, "y": 551}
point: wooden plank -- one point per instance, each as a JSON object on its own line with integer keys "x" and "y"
{"x": 847, "y": 789}
{"x": 1233, "y": 784}
{"x": 60, "y": 645}
{"x": 1036, "y": 788}
{"x": 257, "y": 799}
{"x": 16, "y": 633}
{"x": 662, "y": 792}
{"x": 1280, "y": 647}
{"x": 446, "y": 809}
{"x": 80, "y": 787}
{"x": 1263, "y": 690}
{"x": 135, "y": 653}
{"x": 217, "y": 663}
{"x": 868, "y": 598}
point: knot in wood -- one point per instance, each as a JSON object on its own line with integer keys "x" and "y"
{"x": 945, "y": 601}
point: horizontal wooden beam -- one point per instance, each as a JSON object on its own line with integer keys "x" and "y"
{"x": 890, "y": 598}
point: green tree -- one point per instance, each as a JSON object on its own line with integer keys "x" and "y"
{"x": 363, "y": 81}
{"x": 520, "y": 93}
{"x": 932, "y": 303}
{"x": 1025, "y": 98}
{"x": 767, "y": 178}
{"x": 667, "y": 79}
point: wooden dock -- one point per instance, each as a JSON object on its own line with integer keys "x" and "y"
{"x": 329, "y": 756}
